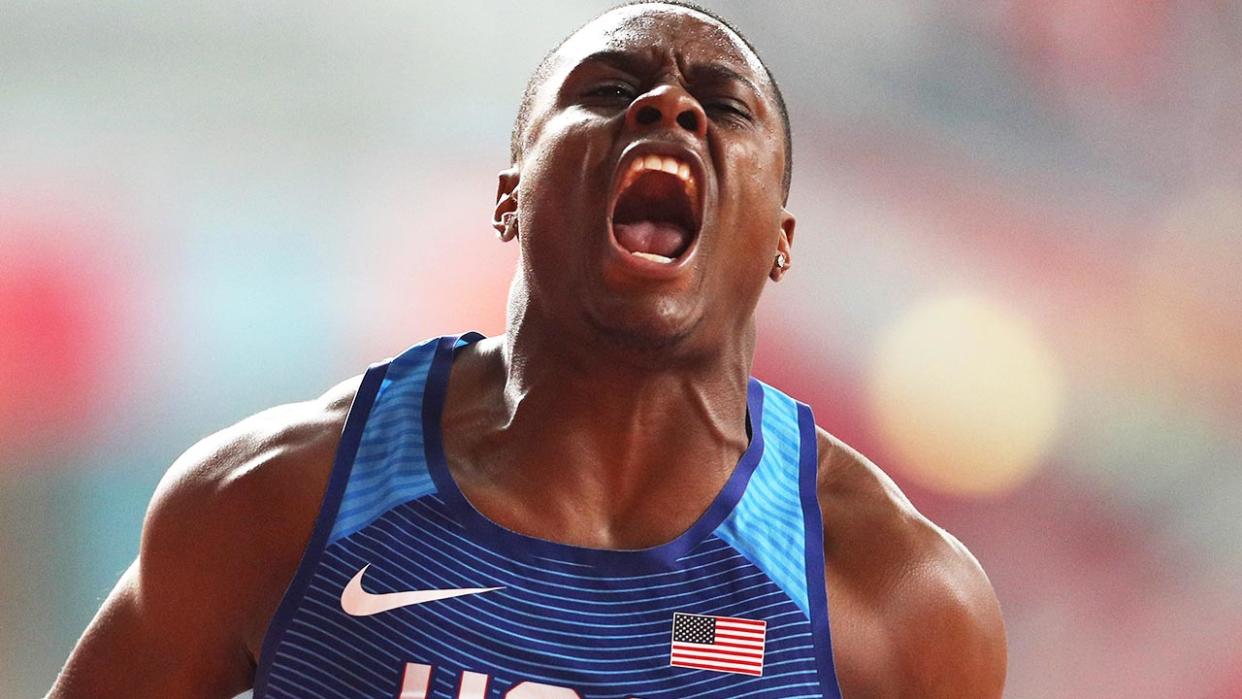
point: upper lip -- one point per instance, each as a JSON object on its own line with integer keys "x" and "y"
{"x": 674, "y": 149}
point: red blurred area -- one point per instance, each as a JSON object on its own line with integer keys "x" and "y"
{"x": 1117, "y": 49}
{"x": 58, "y": 322}
{"x": 1232, "y": 688}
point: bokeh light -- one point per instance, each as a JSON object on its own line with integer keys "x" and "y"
{"x": 965, "y": 394}
{"x": 59, "y": 315}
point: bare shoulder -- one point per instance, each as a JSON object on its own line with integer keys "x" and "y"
{"x": 222, "y": 538}
{"x": 255, "y": 459}
{"x": 912, "y": 612}
{"x": 238, "y": 507}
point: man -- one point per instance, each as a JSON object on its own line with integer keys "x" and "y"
{"x": 601, "y": 502}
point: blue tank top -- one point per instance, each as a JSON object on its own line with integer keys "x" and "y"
{"x": 407, "y": 591}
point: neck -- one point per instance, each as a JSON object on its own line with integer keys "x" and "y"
{"x": 590, "y": 434}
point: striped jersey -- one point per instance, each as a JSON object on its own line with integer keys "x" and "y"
{"x": 407, "y": 591}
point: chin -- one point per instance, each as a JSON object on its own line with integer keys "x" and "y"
{"x": 657, "y": 329}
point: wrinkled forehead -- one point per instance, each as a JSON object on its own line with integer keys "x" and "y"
{"x": 661, "y": 30}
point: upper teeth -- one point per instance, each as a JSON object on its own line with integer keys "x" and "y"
{"x": 664, "y": 163}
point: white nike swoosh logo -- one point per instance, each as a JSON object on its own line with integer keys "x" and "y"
{"x": 358, "y": 602}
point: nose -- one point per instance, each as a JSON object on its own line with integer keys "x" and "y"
{"x": 669, "y": 107}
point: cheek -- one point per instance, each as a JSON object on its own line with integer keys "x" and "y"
{"x": 751, "y": 195}
{"x": 752, "y": 209}
{"x": 569, "y": 147}
{"x": 564, "y": 181}
{"x": 758, "y": 165}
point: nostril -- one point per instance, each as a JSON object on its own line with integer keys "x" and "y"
{"x": 647, "y": 116}
{"x": 688, "y": 120}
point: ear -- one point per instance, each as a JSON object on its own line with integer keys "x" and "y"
{"x": 784, "y": 245}
{"x": 506, "y": 203}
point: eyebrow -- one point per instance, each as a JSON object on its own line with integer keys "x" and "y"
{"x": 627, "y": 61}
{"x": 720, "y": 73}
{"x": 632, "y": 62}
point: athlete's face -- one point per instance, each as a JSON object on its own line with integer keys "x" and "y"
{"x": 648, "y": 196}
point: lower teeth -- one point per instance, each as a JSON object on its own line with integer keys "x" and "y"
{"x": 653, "y": 257}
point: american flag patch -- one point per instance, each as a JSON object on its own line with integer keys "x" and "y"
{"x": 719, "y": 643}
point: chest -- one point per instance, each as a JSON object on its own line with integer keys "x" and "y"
{"x": 414, "y": 606}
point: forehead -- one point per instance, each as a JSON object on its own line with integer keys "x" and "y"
{"x": 659, "y": 31}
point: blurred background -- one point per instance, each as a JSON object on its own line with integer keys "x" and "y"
{"x": 1017, "y": 286}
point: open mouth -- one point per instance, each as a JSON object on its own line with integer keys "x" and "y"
{"x": 656, "y": 214}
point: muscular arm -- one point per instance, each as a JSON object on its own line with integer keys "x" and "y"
{"x": 912, "y": 612}
{"x": 222, "y": 538}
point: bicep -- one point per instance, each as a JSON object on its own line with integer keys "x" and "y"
{"x": 955, "y": 638}
{"x": 168, "y": 627}
{"x": 133, "y": 648}
{"x": 221, "y": 540}
{"x": 918, "y": 616}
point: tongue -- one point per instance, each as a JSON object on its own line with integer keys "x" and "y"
{"x": 656, "y": 237}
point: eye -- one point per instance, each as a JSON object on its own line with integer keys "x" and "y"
{"x": 727, "y": 109}
{"x": 610, "y": 92}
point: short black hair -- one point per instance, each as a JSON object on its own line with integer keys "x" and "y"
{"x": 545, "y": 66}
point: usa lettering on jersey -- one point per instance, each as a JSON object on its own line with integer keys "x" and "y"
{"x": 416, "y": 682}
